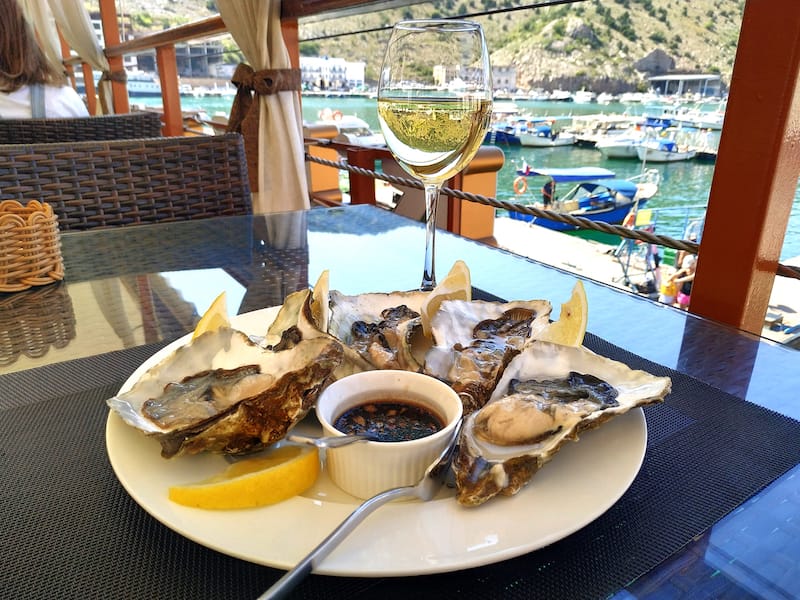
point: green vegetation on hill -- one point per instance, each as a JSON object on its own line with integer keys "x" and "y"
{"x": 596, "y": 44}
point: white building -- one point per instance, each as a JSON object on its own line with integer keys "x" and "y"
{"x": 504, "y": 78}
{"x": 325, "y": 73}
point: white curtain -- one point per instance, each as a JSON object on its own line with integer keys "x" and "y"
{"x": 76, "y": 27}
{"x": 255, "y": 26}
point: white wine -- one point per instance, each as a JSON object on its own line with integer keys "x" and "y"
{"x": 434, "y": 138}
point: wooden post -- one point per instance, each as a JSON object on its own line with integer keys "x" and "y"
{"x": 291, "y": 37}
{"x": 89, "y": 89}
{"x": 167, "y": 62}
{"x": 362, "y": 187}
{"x": 108, "y": 18}
{"x": 755, "y": 178}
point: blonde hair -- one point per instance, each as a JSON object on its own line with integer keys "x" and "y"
{"x": 22, "y": 61}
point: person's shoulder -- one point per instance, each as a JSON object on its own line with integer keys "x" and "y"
{"x": 64, "y": 102}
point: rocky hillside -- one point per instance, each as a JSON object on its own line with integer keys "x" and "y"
{"x": 602, "y": 45}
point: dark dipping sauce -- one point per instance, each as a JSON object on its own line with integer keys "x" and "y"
{"x": 390, "y": 420}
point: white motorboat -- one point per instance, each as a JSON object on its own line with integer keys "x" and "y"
{"x": 536, "y": 140}
{"x": 543, "y": 135}
{"x": 663, "y": 151}
{"x": 621, "y": 144}
{"x": 353, "y": 130}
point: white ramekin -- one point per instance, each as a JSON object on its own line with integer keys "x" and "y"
{"x": 368, "y": 468}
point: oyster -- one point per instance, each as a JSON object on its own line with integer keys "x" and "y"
{"x": 382, "y": 331}
{"x": 548, "y": 394}
{"x": 223, "y": 393}
{"x": 475, "y": 340}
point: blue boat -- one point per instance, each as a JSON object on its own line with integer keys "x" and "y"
{"x": 511, "y": 131}
{"x": 597, "y": 195}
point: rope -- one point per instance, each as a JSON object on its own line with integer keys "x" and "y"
{"x": 581, "y": 222}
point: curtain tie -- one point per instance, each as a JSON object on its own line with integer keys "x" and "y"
{"x": 244, "y": 117}
{"x": 119, "y": 76}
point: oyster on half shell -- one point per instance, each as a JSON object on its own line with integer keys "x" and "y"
{"x": 222, "y": 392}
{"x": 473, "y": 341}
{"x": 381, "y": 331}
{"x": 548, "y": 395}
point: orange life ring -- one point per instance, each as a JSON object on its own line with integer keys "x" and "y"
{"x": 520, "y": 185}
{"x": 337, "y": 115}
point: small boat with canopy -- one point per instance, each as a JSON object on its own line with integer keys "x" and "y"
{"x": 596, "y": 194}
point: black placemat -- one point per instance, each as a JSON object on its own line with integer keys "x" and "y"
{"x": 69, "y": 530}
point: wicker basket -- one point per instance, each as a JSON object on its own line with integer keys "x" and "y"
{"x": 30, "y": 247}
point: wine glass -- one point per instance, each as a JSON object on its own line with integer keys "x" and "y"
{"x": 434, "y": 106}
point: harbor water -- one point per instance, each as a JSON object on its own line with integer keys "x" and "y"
{"x": 682, "y": 195}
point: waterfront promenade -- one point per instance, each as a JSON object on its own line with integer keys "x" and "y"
{"x": 597, "y": 261}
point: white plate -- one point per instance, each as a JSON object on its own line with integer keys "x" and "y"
{"x": 403, "y": 538}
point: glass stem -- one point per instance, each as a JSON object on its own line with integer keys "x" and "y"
{"x": 431, "y": 202}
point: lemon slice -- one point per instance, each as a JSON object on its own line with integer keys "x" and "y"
{"x": 570, "y": 328}
{"x": 455, "y": 286}
{"x": 216, "y": 316}
{"x": 319, "y": 301}
{"x": 283, "y": 473}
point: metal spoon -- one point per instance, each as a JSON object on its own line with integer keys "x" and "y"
{"x": 333, "y": 441}
{"x": 425, "y": 490}
{"x": 321, "y": 442}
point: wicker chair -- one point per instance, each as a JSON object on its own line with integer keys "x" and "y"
{"x": 130, "y": 182}
{"x": 110, "y": 127}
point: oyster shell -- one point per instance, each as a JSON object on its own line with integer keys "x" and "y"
{"x": 223, "y": 393}
{"x": 548, "y": 394}
{"x": 475, "y": 340}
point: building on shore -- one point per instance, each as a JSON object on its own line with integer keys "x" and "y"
{"x": 326, "y": 73}
{"x": 678, "y": 84}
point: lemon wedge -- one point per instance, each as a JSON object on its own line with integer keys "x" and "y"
{"x": 319, "y": 301}
{"x": 456, "y": 285}
{"x": 216, "y": 316}
{"x": 570, "y": 328}
{"x": 258, "y": 481}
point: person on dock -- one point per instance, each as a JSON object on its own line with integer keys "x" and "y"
{"x": 548, "y": 192}
{"x": 684, "y": 277}
{"x": 30, "y": 86}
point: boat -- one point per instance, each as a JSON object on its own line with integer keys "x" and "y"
{"x": 543, "y": 135}
{"x": 560, "y": 96}
{"x": 141, "y": 84}
{"x": 502, "y": 134}
{"x": 606, "y": 98}
{"x": 597, "y": 194}
{"x": 352, "y": 129}
{"x": 696, "y": 116}
{"x": 584, "y": 97}
{"x": 621, "y": 144}
{"x": 591, "y": 128}
{"x": 664, "y": 151}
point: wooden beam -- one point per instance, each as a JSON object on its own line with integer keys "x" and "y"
{"x": 183, "y": 33}
{"x": 108, "y": 19}
{"x": 756, "y": 173}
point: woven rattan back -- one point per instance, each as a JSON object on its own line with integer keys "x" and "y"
{"x": 79, "y": 129}
{"x": 130, "y": 182}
